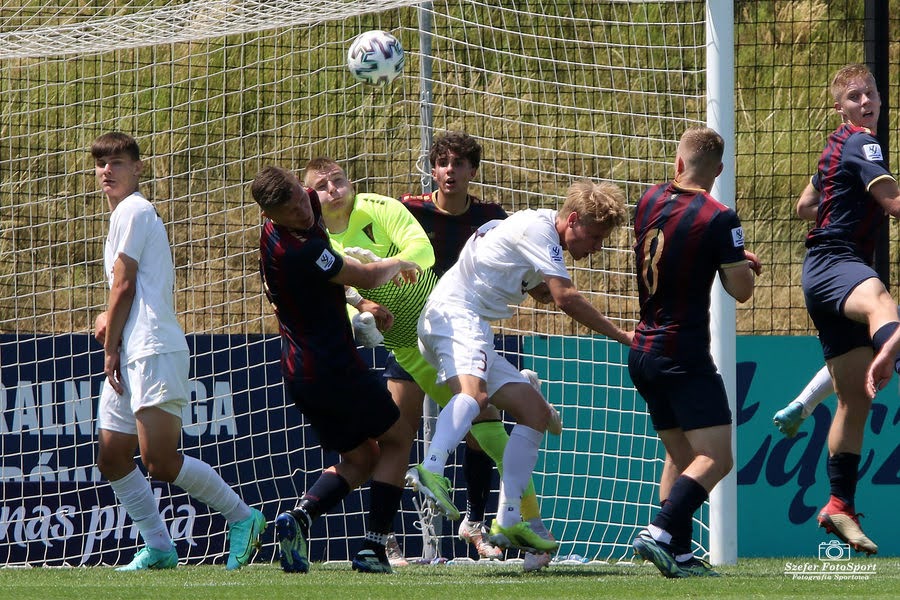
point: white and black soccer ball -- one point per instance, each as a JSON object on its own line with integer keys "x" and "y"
{"x": 375, "y": 57}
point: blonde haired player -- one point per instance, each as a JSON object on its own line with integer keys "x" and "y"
{"x": 497, "y": 267}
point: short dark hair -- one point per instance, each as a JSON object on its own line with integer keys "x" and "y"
{"x": 272, "y": 187}
{"x": 113, "y": 143}
{"x": 458, "y": 142}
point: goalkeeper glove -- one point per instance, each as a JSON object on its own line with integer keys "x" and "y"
{"x": 365, "y": 331}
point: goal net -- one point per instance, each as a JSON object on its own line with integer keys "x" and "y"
{"x": 215, "y": 89}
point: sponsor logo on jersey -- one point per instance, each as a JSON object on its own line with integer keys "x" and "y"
{"x": 556, "y": 253}
{"x": 325, "y": 260}
{"x": 873, "y": 152}
{"x": 737, "y": 236}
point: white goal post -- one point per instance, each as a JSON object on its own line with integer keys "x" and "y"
{"x": 215, "y": 89}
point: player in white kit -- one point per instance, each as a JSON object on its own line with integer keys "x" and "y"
{"x": 501, "y": 263}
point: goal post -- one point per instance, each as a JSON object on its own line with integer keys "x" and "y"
{"x": 213, "y": 90}
{"x": 720, "y": 116}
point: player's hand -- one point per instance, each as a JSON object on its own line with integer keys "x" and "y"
{"x": 365, "y": 331}
{"x": 100, "y": 328}
{"x": 361, "y": 254}
{"x": 755, "y": 265}
{"x": 112, "y": 367}
{"x": 384, "y": 318}
{"x": 879, "y": 374}
{"x": 627, "y": 337}
{"x": 409, "y": 273}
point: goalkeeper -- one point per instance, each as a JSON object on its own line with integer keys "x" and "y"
{"x": 371, "y": 227}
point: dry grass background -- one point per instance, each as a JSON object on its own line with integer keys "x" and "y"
{"x": 210, "y": 113}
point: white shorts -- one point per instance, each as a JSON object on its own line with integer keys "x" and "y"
{"x": 159, "y": 380}
{"x": 456, "y": 341}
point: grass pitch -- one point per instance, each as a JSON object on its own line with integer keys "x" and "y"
{"x": 750, "y": 578}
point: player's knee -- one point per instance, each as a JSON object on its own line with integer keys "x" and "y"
{"x": 160, "y": 467}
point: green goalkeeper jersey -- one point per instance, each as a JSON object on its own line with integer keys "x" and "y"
{"x": 385, "y": 227}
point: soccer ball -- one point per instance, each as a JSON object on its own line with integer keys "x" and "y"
{"x": 375, "y": 57}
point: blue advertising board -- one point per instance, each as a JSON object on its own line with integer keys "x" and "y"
{"x": 56, "y": 509}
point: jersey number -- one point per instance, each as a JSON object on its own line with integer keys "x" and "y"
{"x": 653, "y": 248}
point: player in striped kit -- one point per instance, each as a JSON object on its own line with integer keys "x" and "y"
{"x": 683, "y": 237}
{"x": 850, "y": 194}
{"x": 371, "y": 227}
{"x": 344, "y": 402}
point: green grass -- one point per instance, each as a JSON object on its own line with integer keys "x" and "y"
{"x": 750, "y": 578}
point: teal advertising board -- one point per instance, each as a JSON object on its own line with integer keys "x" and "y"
{"x": 782, "y": 482}
{"x": 605, "y": 464}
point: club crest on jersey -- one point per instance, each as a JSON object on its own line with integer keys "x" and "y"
{"x": 325, "y": 260}
{"x": 737, "y": 236}
{"x": 556, "y": 253}
{"x": 873, "y": 152}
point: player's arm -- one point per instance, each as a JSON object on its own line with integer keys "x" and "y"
{"x": 407, "y": 234}
{"x": 808, "y": 204}
{"x": 738, "y": 279}
{"x": 121, "y": 296}
{"x": 887, "y": 194}
{"x": 573, "y": 303}
{"x": 375, "y": 274}
{"x": 541, "y": 293}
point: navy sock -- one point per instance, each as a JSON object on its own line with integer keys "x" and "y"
{"x": 843, "y": 472}
{"x": 329, "y": 489}
{"x": 478, "y": 469}
{"x": 682, "y": 534}
{"x": 882, "y": 336}
{"x": 678, "y": 510}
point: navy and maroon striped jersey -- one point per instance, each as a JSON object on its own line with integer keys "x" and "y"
{"x": 848, "y": 215}
{"x": 448, "y": 233}
{"x": 296, "y": 266}
{"x": 682, "y": 237}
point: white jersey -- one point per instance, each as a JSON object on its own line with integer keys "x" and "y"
{"x": 136, "y": 231}
{"x": 502, "y": 261}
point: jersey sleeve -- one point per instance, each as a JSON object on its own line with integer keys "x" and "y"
{"x": 728, "y": 239}
{"x": 864, "y": 157}
{"x": 406, "y": 233}
{"x": 543, "y": 251}
{"x": 133, "y": 227}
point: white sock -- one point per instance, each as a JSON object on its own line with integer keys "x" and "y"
{"x": 819, "y": 387}
{"x": 200, "y": 481}
{"x": 452, "y": 424}
{"x": 136, "y": 495}
{"x": 660, "y": 535}
{"x": 519, "y": 459}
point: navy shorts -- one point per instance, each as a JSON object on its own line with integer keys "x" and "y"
{"x": 393, "y": 370}
{"x": 829, "y": 276}
{"x": 676, "y": 396}
{"x": 345, "y": 410}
